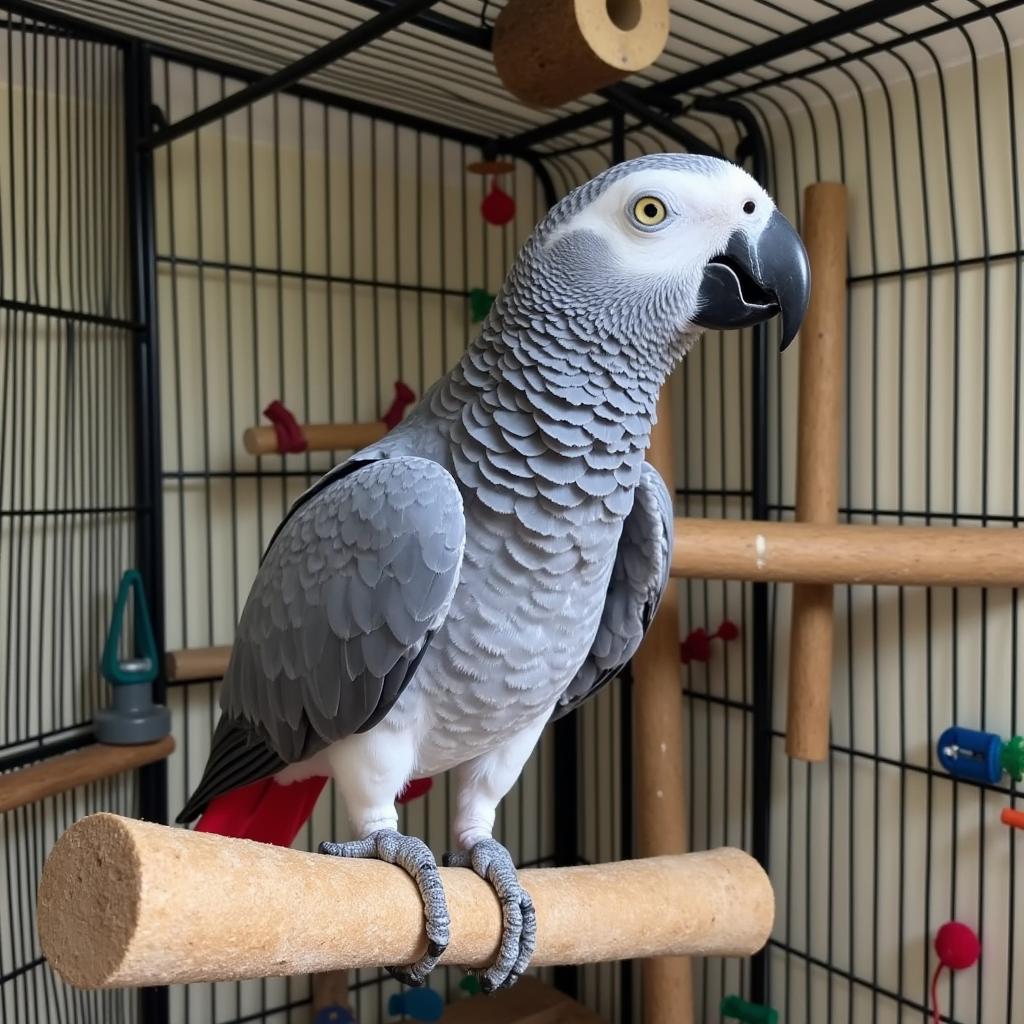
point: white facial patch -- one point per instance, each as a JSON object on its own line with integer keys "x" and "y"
{"x": 703, "y": 211}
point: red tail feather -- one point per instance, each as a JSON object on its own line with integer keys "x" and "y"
{"x": 264, "y": 811}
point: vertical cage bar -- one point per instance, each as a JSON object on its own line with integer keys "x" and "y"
{"x": 152, "y": 794}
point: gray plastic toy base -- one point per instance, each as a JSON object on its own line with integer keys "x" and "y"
{"x": 134, "y": 718}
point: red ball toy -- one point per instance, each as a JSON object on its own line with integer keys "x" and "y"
{"x": 498, "y": 207}
{"x": 957, "y": 945}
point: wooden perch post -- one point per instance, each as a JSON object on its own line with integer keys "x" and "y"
{"x": 320, "y": 437}
{"x": 58, "y": 774}
{"x": 286, "y": 435}
{"x": 658, "y": 755}
{"x": 903, "y": 556}
{"x": 197, "y": 663}
{"x": 819, "y": 439}
{"x": 129, "y": 903}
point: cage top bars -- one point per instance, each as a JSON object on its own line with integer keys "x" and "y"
{"x": 429, "y": 64}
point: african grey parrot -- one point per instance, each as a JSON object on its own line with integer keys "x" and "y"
{"x": 434, "y": 601}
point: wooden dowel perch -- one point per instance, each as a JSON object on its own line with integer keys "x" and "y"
{"x": 320, "y": 437}
{"x": 128, "y": 903}
{"x": 58, "y": 774}
{"x": 927, "y": 556}
{"x": 196, "y": 663}
{"x": 819, "y": 440}
{"x": 658, "y": 755}
{"x": 287, "y": 435}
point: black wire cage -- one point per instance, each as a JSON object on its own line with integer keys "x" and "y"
{"x": 187, "y": 233}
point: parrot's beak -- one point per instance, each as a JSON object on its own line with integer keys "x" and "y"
{"x": 752, "y": 281}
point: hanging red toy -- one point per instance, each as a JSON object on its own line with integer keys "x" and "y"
{"x": 498, "y": 206}
{"x": 958, "y": 948}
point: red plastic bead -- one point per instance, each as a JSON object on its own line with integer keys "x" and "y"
{"x": 498, "y": 207}
{"x": 728, "y": 630}
{"x": 957, "y": 945}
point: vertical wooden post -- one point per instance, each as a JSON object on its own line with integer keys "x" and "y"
{"x": 819, "y": 439}
{"x": 658, "y": 756}
{"x": 330, "y": 989}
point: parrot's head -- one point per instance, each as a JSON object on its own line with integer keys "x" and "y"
{"x": 655, "y": 250}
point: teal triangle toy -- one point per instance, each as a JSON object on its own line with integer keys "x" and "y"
{"x": 132, "y": 716}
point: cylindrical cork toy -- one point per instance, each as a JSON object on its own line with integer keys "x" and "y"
{"x": 548, "y": 52}
{"x": 128, "y": 903}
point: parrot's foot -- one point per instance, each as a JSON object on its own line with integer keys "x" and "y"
{"x": 493, "y": 863}
{"x": 415, "y": 858}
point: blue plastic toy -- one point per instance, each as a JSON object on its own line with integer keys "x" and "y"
{"x": 980, "y": 756}
{"x": 132, "y": 716}
{"x": 417, "y": 1004}
{"x": 334, "y": 1015}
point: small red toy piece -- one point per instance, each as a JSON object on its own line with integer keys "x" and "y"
{"x": 697, "y": 646}
{"x": 1015, "y": 819}
{"x": 498, "y": 207}
{"x": 958, "y": 947}
{"x": 290, "y": 436}
{"x": 404, "y": 397}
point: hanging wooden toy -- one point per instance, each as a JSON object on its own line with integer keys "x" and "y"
{"x": 549, "y": 52}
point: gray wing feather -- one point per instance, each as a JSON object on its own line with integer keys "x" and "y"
{"x": 639, "y": 579}
{"x": 354, "y": 584}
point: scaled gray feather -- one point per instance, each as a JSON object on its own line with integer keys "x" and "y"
{"x": 639, "y": 580}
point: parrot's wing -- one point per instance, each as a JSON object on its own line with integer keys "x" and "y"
{"x": 353, "y": 586}
{"x": 638, "y": 581}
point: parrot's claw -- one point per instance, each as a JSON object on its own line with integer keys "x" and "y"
{"x": 493, "y": 863}
{"x": 415, "y": 858}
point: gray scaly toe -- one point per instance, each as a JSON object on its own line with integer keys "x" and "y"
{"x": 493, "y": 863}
{"x": 415, "y": 858}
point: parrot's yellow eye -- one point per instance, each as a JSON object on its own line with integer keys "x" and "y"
{"x": 649, "y": 211}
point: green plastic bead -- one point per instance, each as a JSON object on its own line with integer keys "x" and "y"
{"x": 1011, "y": 757}
{"x": 471, "y": 984}
{"x": 748, "y": 1013}
{"x": 480, "y": 303}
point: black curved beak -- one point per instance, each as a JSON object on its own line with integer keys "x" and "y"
{"x": 752, "y": 281}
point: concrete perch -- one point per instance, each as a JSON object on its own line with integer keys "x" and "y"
{"x": 130, "y": 903}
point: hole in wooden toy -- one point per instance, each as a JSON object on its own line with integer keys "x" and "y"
{"x": 625, "y": 14}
